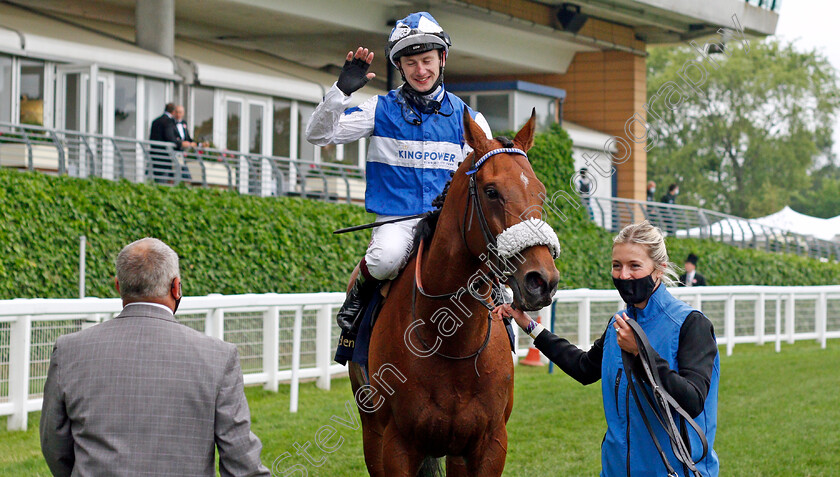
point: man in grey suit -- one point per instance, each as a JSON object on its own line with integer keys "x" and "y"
{"x": 142, "y": 394}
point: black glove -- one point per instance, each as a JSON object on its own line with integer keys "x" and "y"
{"x": 353, "y": 76}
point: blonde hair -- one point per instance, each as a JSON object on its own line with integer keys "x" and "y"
{"x": 651, "y": 238}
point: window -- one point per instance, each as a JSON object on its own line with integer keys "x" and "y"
{"x": 202, "y": 119}
{"x": 255, "y": 130}
{"x": 125, "y": 106}
{"x": 5, "y": 88}
{"x": 155, "y": 101}
{"x": 495, "y": 108}
{"x": 306, "y": 151}
{"x": 281, "y": 142}
{"x": 234, "y": 115}
{"x": 543, "y": 105}
{"x": 32, "y": 92}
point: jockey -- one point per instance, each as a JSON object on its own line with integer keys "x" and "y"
{"x": 416, "y": 141}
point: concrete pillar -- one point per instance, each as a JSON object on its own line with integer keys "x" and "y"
{"x": 155, "y": 26}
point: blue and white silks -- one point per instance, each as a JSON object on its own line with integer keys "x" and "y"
{"x": 408, "y": 164}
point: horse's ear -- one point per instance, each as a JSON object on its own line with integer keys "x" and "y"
{"x": 474, "y": 135}
{"x": 525, "y": 136}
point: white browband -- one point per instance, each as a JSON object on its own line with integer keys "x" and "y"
{"x": 526, "y": 234}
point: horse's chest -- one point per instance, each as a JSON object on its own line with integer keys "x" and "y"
{"x": 457, "y": 414}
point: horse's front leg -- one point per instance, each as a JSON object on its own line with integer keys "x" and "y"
{"x": 487, "y": 459}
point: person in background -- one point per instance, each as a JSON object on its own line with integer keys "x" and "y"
{"x": 668, "y": 217}
{"x": 143, "y": 394}
{"x": 651, "y": 191}
{"x": 691, "y": 278}
{"x": 164, "y": 127}
{"x": 684, "y": 350}
{"x": 585, "y": 191}
{"x": 671, "y": 196}
{"x": 182, "y": 129}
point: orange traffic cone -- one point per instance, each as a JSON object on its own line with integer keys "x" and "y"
{"x": 533, "y": 357}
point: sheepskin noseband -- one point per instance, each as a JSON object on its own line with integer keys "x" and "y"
{"x": 526, "y": 234}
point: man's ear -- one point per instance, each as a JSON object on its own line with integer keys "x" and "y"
{"x": 176, "y": 289}
{"x": 473, "y": 134}
{"x": 525, "y": 137}
{"x": 442, "y": 59}
{"x": 117, "y": 284}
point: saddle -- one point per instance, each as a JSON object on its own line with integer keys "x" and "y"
{"x": 354, "y": 347}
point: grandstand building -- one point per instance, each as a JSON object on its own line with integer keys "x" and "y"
{"x": 250, "y": 73}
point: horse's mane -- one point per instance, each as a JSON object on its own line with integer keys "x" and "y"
{"x": 426, "y": 227}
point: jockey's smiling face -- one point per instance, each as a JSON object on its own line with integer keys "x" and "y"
{"x": 421, "y": 71}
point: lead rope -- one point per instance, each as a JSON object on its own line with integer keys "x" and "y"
{"x": 661, "y": 403}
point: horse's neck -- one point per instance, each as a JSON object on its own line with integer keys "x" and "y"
{"x": 446, "y": 267}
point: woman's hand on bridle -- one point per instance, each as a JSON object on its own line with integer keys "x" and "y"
{"x": 508, "y": 311}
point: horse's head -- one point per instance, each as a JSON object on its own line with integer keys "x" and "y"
{"x": 510, "y": 198}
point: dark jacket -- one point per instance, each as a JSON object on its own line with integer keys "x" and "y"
{"x": 699, "y": 280}
{"x": 165, "y": 130}
{"x": 187, "y": 136}
{"x": 668, "y": 198}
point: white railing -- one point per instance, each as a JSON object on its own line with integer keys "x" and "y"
{"x": 291, "y": 337}
{"x": 280, "y": 338}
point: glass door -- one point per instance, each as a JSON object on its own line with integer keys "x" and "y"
{"x": 246, "y": 119}
{"x": 77, "y": 109}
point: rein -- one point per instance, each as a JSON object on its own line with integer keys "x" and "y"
{"x": 663, "y": 406}
{"x": 490, "y": 241}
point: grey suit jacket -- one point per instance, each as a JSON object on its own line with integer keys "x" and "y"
{"x": 144, "y": 395}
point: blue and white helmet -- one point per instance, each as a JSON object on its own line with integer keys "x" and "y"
{"x": 415, "y": 34}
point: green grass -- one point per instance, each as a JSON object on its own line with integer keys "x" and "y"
{"x": 778, "y": 417}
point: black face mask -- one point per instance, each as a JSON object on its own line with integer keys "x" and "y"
{"x": 635, "y": 290}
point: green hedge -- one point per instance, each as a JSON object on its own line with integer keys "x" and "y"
{"x": 228, "y": 243}
{"x": 231, "y": 243}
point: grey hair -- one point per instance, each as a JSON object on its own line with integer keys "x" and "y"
{"x": 650, "y": 237}
{"x": 146, "y": 269}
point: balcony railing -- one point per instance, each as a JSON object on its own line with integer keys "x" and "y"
{"x": 92, "y": 155}
{"x": 684, "y": 221}
{"x": 772, "y": 5}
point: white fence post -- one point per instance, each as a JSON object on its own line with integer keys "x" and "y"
{"x": 778, "y": 323}
{"x": 729, "y": 324}
{"x": 822, "y": 319}
{"x": 271, "y": 347}
{"x": 583, "y": 323}
{"x": 790, "y": 326}
{"x": 293, "y": 398}
{"x": 19, "y": 354}
{"x": 323, "y": 346}
{"x": 759, "y": 319}
{"x": 215, "y": 323}
{"x": 243, "y": 175}
{"x": 698, "y": 302}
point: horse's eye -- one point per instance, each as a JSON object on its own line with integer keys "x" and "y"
{"x": 492, "y": 194}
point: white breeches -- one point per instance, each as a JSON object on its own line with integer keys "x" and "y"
{"x": 390, "y": 246}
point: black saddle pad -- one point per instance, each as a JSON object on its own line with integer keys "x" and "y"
{"x": 355, "y": 347}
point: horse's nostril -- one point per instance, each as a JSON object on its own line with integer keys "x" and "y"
{"x": 535, "y": 283}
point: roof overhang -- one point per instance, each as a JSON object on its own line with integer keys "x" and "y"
{"x": 29, "y": 34}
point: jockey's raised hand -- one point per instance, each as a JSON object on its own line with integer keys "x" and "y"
{"x": 354, "y": 74}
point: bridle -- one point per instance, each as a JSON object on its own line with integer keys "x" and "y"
{"x": 473, "y": 207}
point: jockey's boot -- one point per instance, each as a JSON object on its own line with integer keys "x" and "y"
{"x": 350, "y": 315}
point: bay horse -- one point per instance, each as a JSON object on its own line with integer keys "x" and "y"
{"x": 440, "y": 367}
